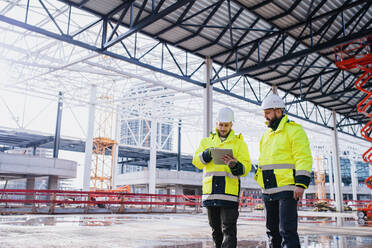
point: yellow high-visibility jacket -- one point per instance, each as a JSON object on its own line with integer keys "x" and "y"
{"x": 220, "y": 186}
{"x": 285, "y": 159}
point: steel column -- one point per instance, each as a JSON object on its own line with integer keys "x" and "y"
{"x": 57, "y": 135}
{"x": 89, "y": 139}
{"x": 354, "y": 177}
{"x": 179, "y": 146}
{"x": 330, "y": 176}
{"x": 336, "y": 159}
{"x": 116, "y": 147}
{"x": 208, "y": 99}
{"x": 152, "y": 161}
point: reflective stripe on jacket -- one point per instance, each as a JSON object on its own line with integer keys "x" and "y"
{"x": 220, "y": 186}
{"x": 285, "y": 158}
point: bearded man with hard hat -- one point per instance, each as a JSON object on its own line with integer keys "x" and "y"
{"x": 221, "y": 182}
{"x": 284, "y": 172}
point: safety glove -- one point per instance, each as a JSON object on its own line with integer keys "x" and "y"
{"x": 207, "y": 157}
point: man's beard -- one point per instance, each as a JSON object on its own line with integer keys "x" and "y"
{"x": 224, "y": 135}
{"x": 273, "y": 123}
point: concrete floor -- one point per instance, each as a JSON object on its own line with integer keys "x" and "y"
{"x": 164, "y": 230}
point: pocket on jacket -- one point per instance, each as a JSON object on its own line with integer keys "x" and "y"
{"x": 284, "y": 177}
{"x": 207, "y": 185}
{"x": 258, "y": 177}
{"x": 232, "y": 186}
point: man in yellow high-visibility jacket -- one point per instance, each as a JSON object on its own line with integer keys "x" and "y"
{"x": 284, "y": 172}
{"x": 221, "y": 182}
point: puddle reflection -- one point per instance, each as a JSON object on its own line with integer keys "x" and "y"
{"x": 311, "y": 241}
{"x": 308, "y": 241}
{"x": 29, "y": 220}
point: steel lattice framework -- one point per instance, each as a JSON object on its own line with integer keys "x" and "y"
{"x": 253, "y": 45}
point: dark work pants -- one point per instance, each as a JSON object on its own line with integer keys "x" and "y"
{"x": 223, "y": 222}
{"x": 281, "y": 223}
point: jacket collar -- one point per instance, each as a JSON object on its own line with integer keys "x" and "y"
{"x": 281, "y": 124}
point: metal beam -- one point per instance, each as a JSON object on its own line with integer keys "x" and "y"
{"x": 304, "y": 52}
{"x": 146, "y": 22}
{"x": 37, "y": 142}
{"x": 69, "y": 39}
{"x": 218, "y": 5}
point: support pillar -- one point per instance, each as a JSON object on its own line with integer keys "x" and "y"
{"x": 53, "y": 182}
{"x": 179, "y": 146}
{"x": 198, "y": 191}
{"x": 30, "y": 185}
{"x": 116, "y": 147}
{"x": 330, "y": 175}
{"x": 208, "y": 97}
{"x": 57, "y": 134}
{"x": 152, "y": 161}
{"x": 354, "y": 178}
{"x": 336, "y": 166}
{"x": 89, "y": 139}
{"x": 178, "y": 189}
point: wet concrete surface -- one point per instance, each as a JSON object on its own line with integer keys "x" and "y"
{"x": 166, "y": 230}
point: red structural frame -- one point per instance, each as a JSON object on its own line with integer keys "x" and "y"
{"x": 357, "y": 55}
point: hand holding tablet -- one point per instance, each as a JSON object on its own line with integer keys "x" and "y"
{"x": 218, "y": 154}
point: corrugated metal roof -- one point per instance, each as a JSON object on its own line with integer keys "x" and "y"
{"x": 208, "y": 29}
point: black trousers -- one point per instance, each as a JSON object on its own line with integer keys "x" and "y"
{"x": 281, "y": 223}
{"x": 223, "y": 222}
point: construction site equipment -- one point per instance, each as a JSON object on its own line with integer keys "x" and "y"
{"x": 365, "y": 213}
{"x": 112, "y": 197}
{"x": 357, "y": 55}
{"x": 323, "y": 206}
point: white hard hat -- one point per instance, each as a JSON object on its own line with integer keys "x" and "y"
{"x": 225, "y": 115}
{"x": 273, "y": 101}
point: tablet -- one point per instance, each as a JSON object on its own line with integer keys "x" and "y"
{"x": 218, "y": 153}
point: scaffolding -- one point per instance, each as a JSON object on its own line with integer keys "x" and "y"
{"x": 103, "y": 149}
{"x": 319, "y": 176}
{"x": 101, "y": 174}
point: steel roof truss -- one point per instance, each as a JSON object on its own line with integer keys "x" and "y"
{"x": 278, "y": 16}
{"x": 234, "y": 50}
{"x": 179, "y": 20}
{"x": 145, "y": 22}
{"x": 210, "y": 15}
{"x": 124, "y": 9}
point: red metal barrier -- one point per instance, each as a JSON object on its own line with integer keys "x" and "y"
{"x": 120, "y": 202}
{"x": 86, "y": 199}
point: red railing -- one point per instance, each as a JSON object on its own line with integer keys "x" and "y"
{"x": 88, "y": 201}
